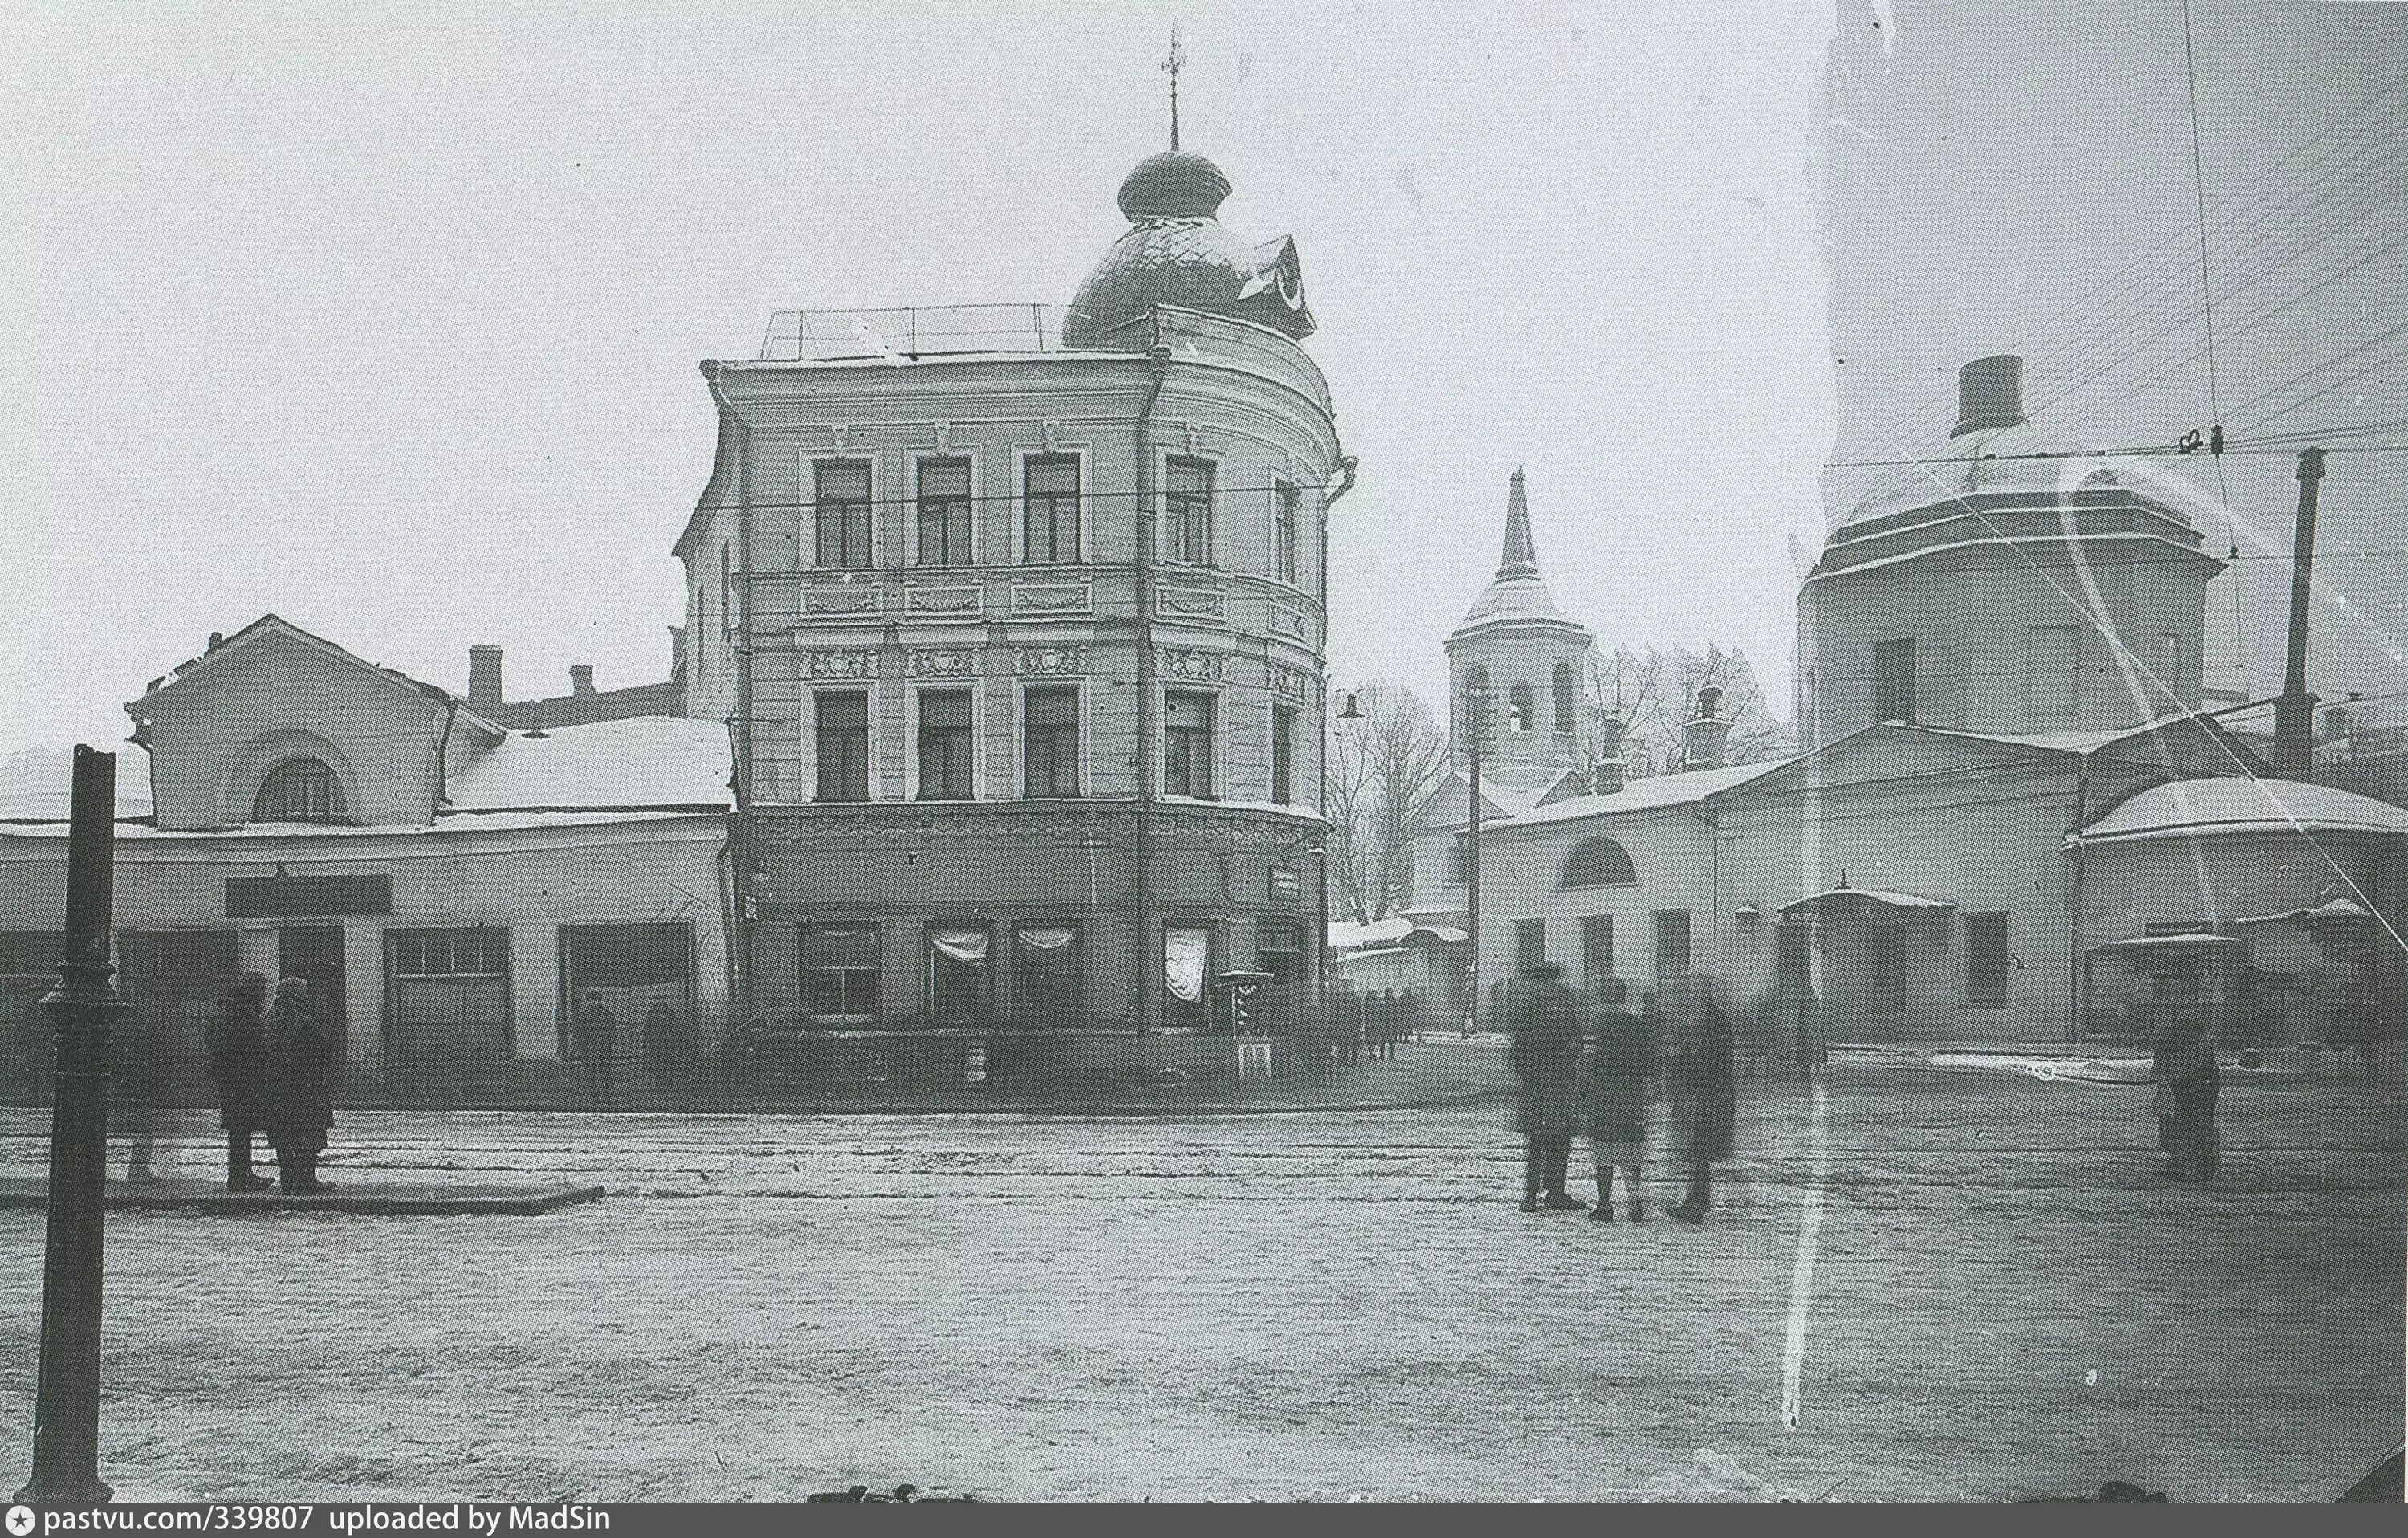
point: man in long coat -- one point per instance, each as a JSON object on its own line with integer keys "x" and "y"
{"x": 238, "y": 1062}
{"x": 1613, "y": 1098}
{"x": 300, "y": 1091}
{"x": 1545, "y": 1019}
{"x": 596, "y": 1031}
{"x": 1705, "y": 1101}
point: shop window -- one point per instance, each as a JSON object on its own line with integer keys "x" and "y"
{"x": 1187, "y": 512}
{"x": 1894, "y": 679}
{"x": 1985, "y": 959}
{"x": 1598, "y": 862}
{"x": 844, "y": 731}
{"x": 1885, "y": 967}
{"x": 1049, "y": 508}
{"x": 1049, "y": 740}
{"x": 173, "y": 979}
{"x": 945, "y": 745}
{"x": 945, "y": 513}
{"x": 1187, "y": 745}
{"x": 29, "y": 968}
{"x": 961, "y": 973}
{"x": 636, "y": 966}
{"x": 841, "y": 508}
{"x": 300, "y": 790}
{"x": 1672, "y": 958}
{"x": 840, "y": 972}
{"x": 447, "y": 995}
{"x": 1045, "y": 971}
{"x": 1186, "y": 961}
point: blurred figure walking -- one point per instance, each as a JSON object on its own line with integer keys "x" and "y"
{"x": 238, "y": 1062}
{"x": 1613, "y": 1099}
{"x": 1545, "y": 1019}
{"x": 2188, "y": 1082}
{"x": 1705, "y": 1101}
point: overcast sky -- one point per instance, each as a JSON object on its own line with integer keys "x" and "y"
{"x": 385, "y": 318}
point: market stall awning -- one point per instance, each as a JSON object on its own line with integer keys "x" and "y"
{"x": 2339, "y": 909}
{"x": 2166, "y": 942}
{"x": 1860, "y": 899}
{"x": 1431, "y": 934}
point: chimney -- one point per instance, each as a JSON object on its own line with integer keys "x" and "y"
{"x": 485, "y": 678}
{"x": 581, "y": 680}
{"x": 1989, "y": 394}
{"x": 1707, "y": 732}
{"x": 1605, "y": 775}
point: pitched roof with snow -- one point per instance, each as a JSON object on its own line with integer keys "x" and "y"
{"x": 2232, "y": 806}
{"x": 646, "y": 761}
{"x": 1653, "y": 794}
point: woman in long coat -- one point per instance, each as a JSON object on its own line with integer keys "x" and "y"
{"x": 1546, "y": 1056}
{"x": 235, "y": 1039}
{"x": 1613, "y": 1099}
{"x": 2190, "y": 1081}
{"x": 1706, "y": 1102}
{"x": 300, "y": 1096}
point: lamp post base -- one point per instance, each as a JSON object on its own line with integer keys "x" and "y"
{"x": 92, "y": 1492}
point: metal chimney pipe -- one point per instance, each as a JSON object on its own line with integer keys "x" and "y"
{"x": 2295, "y": 712}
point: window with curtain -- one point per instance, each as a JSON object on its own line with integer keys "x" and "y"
{"x": 945, "y": 513}
{"x": 945, "y": 745}
{"x": 843, "y": 741}
{"x": 1186, "y": 959}
{"x": 961, "y": 973}
{"x": 840, "y": 971}
{"x": 1049, "y": 508}
{"x": 1187, "y": 512}
{"x": 842, "y": 503}
{"x": 1049, "y": 740}
{"x": 1187, "y": 745}
{"x": 1045, "y": 973}
{"x": 300, "y": 790}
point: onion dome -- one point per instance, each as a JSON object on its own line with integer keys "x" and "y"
{"x": 1177, "y": 252}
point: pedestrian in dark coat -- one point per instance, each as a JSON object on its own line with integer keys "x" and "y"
{"x": 1613, "y": 1099}
{"x": 598, "y": 1045}
{"x": 1313, "y": 1041}
{"x": 300, "y": 1091}
{"x": 1813, "y": 1051}
{"x": 1545, "y": 1019}
{"x": 238, "y": 1062}
{"x": 2188, "y": 1083}
{"x": 1346, "y": 1022}
{"x": 661, "y": 1056}
{"x": 1705, "y": 1102}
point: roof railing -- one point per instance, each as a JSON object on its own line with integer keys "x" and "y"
{"x": 912, "y": 332}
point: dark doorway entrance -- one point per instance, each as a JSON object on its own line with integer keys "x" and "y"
{"x": 315, "y": 955}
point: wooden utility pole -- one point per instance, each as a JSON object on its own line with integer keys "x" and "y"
{"x": 66, "y": 1391}
{"x": 2295, "y": 712}
{"x": 1477, "y": 702}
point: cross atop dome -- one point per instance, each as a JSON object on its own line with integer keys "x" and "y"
{"x": 1171, "y": 65}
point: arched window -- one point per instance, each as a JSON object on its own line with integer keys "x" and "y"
{"x": 1474, "y": 679}
{"x": 300, "y": 790}
{"x": 1517, "y": 709}
{"x": 1567, "y": 696}
{"x": 1598, "y": 862}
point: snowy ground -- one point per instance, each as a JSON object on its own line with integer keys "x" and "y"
{"x": 1317, "y": 1304}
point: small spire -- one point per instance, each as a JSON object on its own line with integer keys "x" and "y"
{"x": 1521, "y": 558}
{"x": 1170, "y": 66}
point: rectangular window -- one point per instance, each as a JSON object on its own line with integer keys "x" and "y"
{"x": 961, "y": 973}
{"x": 1530, "y": 944}
{"x": 1793, "y": 955}
{"x": 842, "y": 501}
{"x": 840, "y": 972}
{"x": 2169, "y": 662}
{"x": 945, "y": 513}
{"x": 1187, "y": 512}
{"x": 640, "y": 968}
{"x": 1894, "y": 679}
{"x": 447, "y": 995}
{"x": 843, "y": 727}
{"x": 1597, "y": 949}
{"x": 1285, "y": 499}
{"x": 29, "y": 968}
{"x": 1187, "y": 745}
{"x": 945, "y": 745}
{"x": 1672, "y": 946}
{"x": 1186, "y": 961}
{"x": 2052, "y": 685}
{"x": 1282, "y": 755}
{"x": 1886, "y": 964}
{"x": 1045, "y": 970}
{"x": 1458, "y": 861}
{"x": 1049, "y": 508}
{"x": 173, "y": 979}
{"x": 1049, "y": 740}
{"x": 1985, "y": 959}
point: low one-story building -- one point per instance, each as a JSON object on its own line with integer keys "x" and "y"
{"x": 447, "y": 887}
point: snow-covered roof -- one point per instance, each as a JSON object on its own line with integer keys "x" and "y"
{"x": 642, "y": 761}
{"x": 285, "y": 833}
{"x": 1384, "y": 931}
{"x": 52, "y": 806}
{"x": 1842, "y": 896}
{"x": 2230, "y": 806}
{"x": 2335, "y": 908}
{"x": 1650, "y": 794}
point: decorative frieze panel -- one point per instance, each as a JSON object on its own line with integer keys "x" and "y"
{"x": 841, "y": 600}
{"x": 1295, "y": 683}
{"x": 1053, "y": 597}
{"x": 944, "y": 600}
{"x": 1291, "y": 622}
{"x": 1191, "y": 603}
{"x": 1186, "y": 667}
{"x": 1040, "y": 661}
{"x": 942, "y": 661}
{"x": 824, "y": 666}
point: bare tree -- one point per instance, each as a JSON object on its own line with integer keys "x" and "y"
{"x": 1383, "y": 769}
{"x": 1654, "y": 692}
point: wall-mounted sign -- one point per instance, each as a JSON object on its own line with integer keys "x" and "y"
{"x": 1287, "y": 883}
{"x": 308, "y": 897}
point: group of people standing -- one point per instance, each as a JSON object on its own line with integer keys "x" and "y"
{"x": 274, "y": 1064}
{"x": 1355, "y": 1025}
{"x": 1570, "y": 1087}
{"x": 669, "y": 1047}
